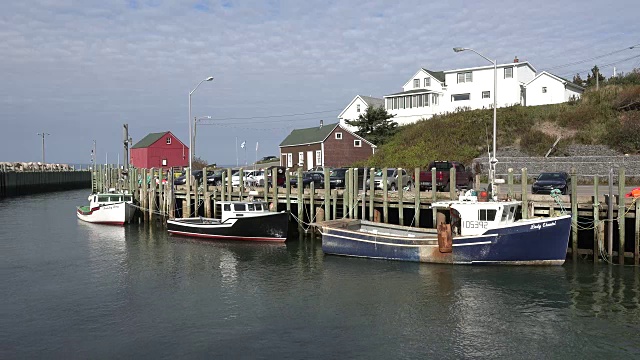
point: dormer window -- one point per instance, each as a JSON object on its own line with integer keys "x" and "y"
{"x": 427, "y": 82}
{"x": 338, "y": 136}
{"x": 416, "y": 83}
{"x": 168, "y": 141}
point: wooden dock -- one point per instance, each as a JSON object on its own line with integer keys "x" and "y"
{"x": 604, "y": 225}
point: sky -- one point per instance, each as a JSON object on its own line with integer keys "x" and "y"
{"x": 79, "y": 70}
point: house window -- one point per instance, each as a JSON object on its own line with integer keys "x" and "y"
{"x": 460, "y": 97}
{"x": 508, "y": 72}
{"x": 357, "y": 143}
{"x": 289, "y": 160}
{"x": 464, "y": 77}
{"x": 486, "y": 94}
{"x": 300, "y": 158}
{"x": 358, "y": 108}
{"x": 318, "y": 157}
{"x": 436, "y": 99}
{"x": 164, "y": 162}
{"x": 338, "y": 136}
{"x": 420, "y": 102}
{"x": 416, "y": 83}
{"x": 544, "y": 89}
{"x": 427, "y": 82}
{"x": 168, "y": 141}
{"x": 389, "y": 104}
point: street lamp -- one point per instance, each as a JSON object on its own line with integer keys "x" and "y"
{"x": 43, "y": 134}
{"x": 210, "y": 78}
{"x": 493, "y": 160}
{"x": 195, "y": 131}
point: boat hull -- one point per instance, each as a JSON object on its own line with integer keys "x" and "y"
{"x": 272, "y": 227}
{"x": 537, "y": 242}
{"x": 112, "y": 214}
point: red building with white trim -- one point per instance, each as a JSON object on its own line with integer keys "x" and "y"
{"x": 159, "y": 150}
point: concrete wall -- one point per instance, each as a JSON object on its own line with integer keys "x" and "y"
{"x": 25, "y": 183}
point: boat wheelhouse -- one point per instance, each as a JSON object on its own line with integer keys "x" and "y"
{"x": 107, "y": 208}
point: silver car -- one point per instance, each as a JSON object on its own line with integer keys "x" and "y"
{"x": 393, "y": 179}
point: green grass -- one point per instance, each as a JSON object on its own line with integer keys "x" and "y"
{"x": 462, "y": 136}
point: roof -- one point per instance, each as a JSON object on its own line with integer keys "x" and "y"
{"x": 310, "y": 135}
{"x": 414, "y": 91}
{"x": 439, "y": 75}
{"x": 491, "y": 67}
{"x": 557, "y": 78}
{"x": 371, "y": 101}
{"x": 149, "y": 140}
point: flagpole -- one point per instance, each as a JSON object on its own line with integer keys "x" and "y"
{"x": 245, "y": 152}
{"x": 236, "y": 151}
{"x": 254, "y": 164}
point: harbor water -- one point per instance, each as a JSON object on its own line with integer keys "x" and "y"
{"x": 77, "y": 290}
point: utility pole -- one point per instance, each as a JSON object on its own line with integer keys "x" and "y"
{"x": 43, "y": 134}
{"x": 597, "y": 79}
{"x": 125, "y": 140}
{"x": 93, "y": 155}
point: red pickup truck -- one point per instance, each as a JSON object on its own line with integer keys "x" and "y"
{"x": 464, "y": 177}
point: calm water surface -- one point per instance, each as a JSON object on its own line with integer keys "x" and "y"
{"x": 77, "y": 290}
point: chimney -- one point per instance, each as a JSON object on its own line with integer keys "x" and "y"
{"x": 515, "y": 60}
{"x": 320, "y": 124}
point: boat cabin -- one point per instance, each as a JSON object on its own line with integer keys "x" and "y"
{"x": 235, "y": 209}
{"x": 109, "y": 198}
{"x": 476, "y": 217}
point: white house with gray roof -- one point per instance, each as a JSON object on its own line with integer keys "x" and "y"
{"x": 428, "y": 93}
{"x": 358, "y": 106}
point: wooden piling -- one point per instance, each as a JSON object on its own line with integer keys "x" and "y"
{"x": 206, "y": 195}
{"x": 372, "y": 192}
{"x": 354, "y": 194}
{"x": 510, "y": 183}
{"x": 188, "y": 196}
{"x": 385, "y": 197}
{"x": 274, "y": 174}
{"x": 229, "y": 185}
{"x": 452, "y": 183}
{"x": 345, "y": 194}
{"x": 596, "y": 221}
{"x": 241, "y": 182}
{"x": 287, "y": 185}
{"x": 574, "y": 215}
{"x": 636, "y": 251}
{"x": 525, "y": 203}
{"x": 300, "y": 190}
{"x": 144, "y": 197}
{"x": 327, "y": 194}
{"x": 622, "y": 209}
{"x": 223, "y": 187}
{"x": 312, "y": 205}
{"x": 416, "y": 200}
{"x": 400, "y": 198}
{"x": 152, "y": 198}
{"x": 172, "y": 197}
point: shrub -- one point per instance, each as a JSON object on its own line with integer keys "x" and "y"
{"x": 535, "y": 142}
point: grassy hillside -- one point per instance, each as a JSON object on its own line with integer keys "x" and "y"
{"x": 606, "y": 117}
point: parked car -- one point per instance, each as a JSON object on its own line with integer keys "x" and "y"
{"x": 249, "y": 177}
{"x": 216, "y": 177}
{"x": 269, "y": 158}
{"x": 547, "y": 181}
{"x": 337, "y": 177}
{"x": 280, "y": 175}
{"x": 395, "y": 178}
{"x": 464, "y": 177}
{"x": 181, "y": 180}
{"x": 320, "y": 168}
{"x": 317, "y": 178}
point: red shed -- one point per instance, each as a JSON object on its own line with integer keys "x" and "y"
{"x": 159, "y": 150}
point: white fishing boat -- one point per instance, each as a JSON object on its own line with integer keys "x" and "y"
{"x": 107, "y": 208}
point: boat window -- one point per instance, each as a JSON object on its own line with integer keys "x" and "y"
{"x": 127, "y": 198}
{"x": 115, "y": 198}
{"x": 259, "y": 207}
{"x": 227, "y": 207}
{"x": 505, "y": 214}
{"x": 239, "y": 207}
{"x": 94, "y": 198}
{"x": 512, "y": 212}
{"x": 487, "y": 215}
{"x": 251, "y": 207}
{"x": 103, "y": 198}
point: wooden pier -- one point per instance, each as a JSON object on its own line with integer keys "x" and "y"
{"x": 604, "y": 225}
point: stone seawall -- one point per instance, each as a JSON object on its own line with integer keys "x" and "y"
{"x": 584, "y": 165}
{"x": 25, "y": 183}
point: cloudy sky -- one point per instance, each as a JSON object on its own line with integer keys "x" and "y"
{"x": 78, "y": 70}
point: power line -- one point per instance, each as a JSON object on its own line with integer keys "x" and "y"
{"x": 592, "y": 58}
{"x": 274, "y": 116}
{"x": 213, "y": 122}
{"x": 603, "y": 65}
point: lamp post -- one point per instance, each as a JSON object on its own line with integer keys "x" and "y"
{"x": 210, "y": 78}
{"x": 195, "y": 131}
{"x": 43, "y": 134}
{"x": 493, "y": 160}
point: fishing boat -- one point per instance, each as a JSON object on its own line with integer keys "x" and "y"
{"x": 240, "y": 220}
{"x": 107, "y": 208}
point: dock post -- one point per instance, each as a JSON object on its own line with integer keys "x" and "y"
{"x": 334, "y": 202}
{"x": 596, "y": 221}
{"x": 400, "y": 199}
{"x": 274, "y": 174}
{"x": 622, "y": 209}
{"x": 162, "y": 198}
{"x": 312, "y": 203}
{"x": 214, "y": 199}
{"x": 354, "y": 194}
{"x": 172, "y": 197}
{"x": 610, "y": 217}
{"x": 372, "y": 192}
{"x": 453, "y": 183}
{"x": 636, "y": 251}
{"x": 206, "y": 195}
{"x": 287, "y": 185}
{"x": 241, "y": 182}
{"x": 525, "y": 203}
{"x": 434, "y": 195}
{"x": 416, "y": 200}
{"x": 144, "y": 197}
{"x": 385, "y": 197}
{"x": 345, "y": 194}
{"x": 327, "y": 194}
{"x": 229, "y": 185}
{"x": 300, "y": 191}
{"x": 510, "y": 183}
{"x": 574, "y": 215}
{"x": 274, "y": 182}
{"x": 152, "y": 196}
{"x": 188, "y": 194}
{"x": 223, "y": 188}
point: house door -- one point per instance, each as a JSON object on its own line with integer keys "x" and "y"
{"x": 309, "y": 160}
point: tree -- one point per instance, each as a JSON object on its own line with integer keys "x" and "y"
{"x": 578, "y": 80}
{"x": 198, "y": 163}
{"x": 591, "y": 77}
{"x": 375, "y": 125}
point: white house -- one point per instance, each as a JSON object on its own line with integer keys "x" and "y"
{"x": 547, "y": 88}
{"x": 421, "y": 97}
{"x": 358, "y": 106}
